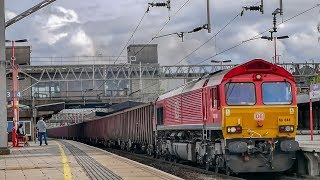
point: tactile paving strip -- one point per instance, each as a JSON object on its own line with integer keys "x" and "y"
{"x": 94, "y": 169}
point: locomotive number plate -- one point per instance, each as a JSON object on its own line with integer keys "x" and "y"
{"x": 284, "y": 120}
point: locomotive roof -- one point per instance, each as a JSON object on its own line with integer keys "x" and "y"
{"x": 213, "y": 79}
{"x": 253, "y": 66}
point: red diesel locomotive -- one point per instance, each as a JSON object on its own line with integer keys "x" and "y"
{"x": 243, "y": 119}
{"x": 239, "y": 120}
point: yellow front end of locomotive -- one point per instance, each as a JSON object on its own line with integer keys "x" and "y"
{"x": 259, "y": 122}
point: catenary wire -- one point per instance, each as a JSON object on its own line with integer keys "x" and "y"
{"x": 148, "y": 42}
{"x": 256, "y": 36}
{"x": 134, "y": 31}
{"x": 165, "y": 24}
{"x": 239, "y": 44}
{"x": 214, "y": 36}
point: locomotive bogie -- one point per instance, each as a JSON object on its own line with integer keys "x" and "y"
{"x": 261, "y": 155}
{"x": 257, "y": 163}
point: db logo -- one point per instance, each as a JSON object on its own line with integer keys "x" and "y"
{"x": 259, "y": 116}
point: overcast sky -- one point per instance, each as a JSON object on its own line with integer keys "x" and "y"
{"x": 92, "y": 27}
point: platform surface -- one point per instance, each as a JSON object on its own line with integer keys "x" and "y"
{"x": 63, "y": 159}
{"x": 306, "y": 144}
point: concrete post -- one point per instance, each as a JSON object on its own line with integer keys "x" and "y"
{"x": 3, "y": 101}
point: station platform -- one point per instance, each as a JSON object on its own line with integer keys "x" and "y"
{"x": 65, "y": 160}
{"x": 307, "y": 145}
{"x": 309, "y": 159}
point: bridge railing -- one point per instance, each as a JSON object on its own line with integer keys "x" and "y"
{"x": 77, "y": 60}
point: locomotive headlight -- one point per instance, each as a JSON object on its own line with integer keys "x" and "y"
{"x": 286, "y": 129}
{"x": 234, "y": 129}
{"x": 258, "y": 76}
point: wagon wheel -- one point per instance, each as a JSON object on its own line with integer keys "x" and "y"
{"x": 135, "y": 149}
{"x": 228, "y": 171}
{"x": 216, "y": 169}
{"x": 176, "y": 160}
{"x": 105, "y": 143}
{"x": 207, "y": 166}
{"x": 150, "y": 150}
{"x": 167, "y": 157}
{"x": 128, "y": 148}
{"x": 206, "y": 162}
{"x": 216, "y": 166}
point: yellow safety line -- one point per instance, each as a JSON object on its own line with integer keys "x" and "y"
{"x": 66, "y": 168}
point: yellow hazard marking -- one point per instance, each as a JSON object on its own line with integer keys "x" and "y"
{"x": 66, "y": 168}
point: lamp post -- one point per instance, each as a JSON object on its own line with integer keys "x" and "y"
{"x": 14, "y": 93}
{"x": 275, "y": 44}
{"x": 221, "y": 62}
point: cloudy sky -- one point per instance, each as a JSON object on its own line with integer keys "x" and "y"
{"x": 88, "y": 28}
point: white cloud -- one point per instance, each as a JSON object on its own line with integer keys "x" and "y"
{"x": 305, "y": 43}
{"x": 61, "y": 18}
{"x": 83, "y": 44}
{"x": 53, "y": 38}
{"x": 62, "y": 33}
{"x": 73, "y": 28}
{"x": 9, "y": 15}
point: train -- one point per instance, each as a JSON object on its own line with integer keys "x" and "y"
{"x": 239, "y": 120}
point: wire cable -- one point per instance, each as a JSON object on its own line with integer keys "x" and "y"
{"x": 239, "y": 44}
{"x": 214, "y": 36}
{"x": 134, "y": 31}
{"x": 148, "y": 42}
{"x": 208, "y": 39}
{"x": 256, "y": 36}
{"x": 165, "y": 24}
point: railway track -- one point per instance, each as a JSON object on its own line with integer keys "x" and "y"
{"x": 185, "y": 171}
{"x": 188, "y": 171}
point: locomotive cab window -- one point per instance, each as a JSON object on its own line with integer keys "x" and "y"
{"x": 240, "y": 94}
{"x": 276, "y": 93}
{"x": 160, "y": 116}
